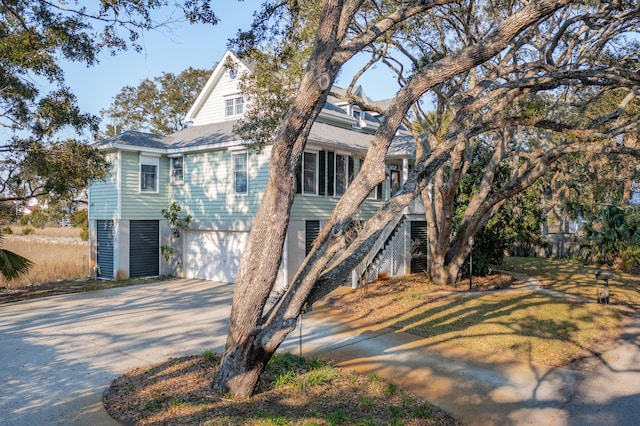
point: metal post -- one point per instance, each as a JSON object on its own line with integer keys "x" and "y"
{"x": 471, "y": 264}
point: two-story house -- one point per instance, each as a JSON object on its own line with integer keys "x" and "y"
{"x": 217, "y": 179}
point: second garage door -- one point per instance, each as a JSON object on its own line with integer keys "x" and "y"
{"x": 213, "y": 255}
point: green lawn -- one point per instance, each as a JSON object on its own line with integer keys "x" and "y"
{"x": 572, "y": 277}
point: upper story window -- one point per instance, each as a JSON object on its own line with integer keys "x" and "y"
{"x": 307, "y": 174}
{"x": 177, "y": 170}
{"x": 149, "y": 166}
{"x": 357, "y": 114}
{"x": 240, "y": 173}
{"x": 342, "y": 168}
{"x": 233, "y": 106}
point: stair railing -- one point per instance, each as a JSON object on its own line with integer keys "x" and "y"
{"x": 363, "y": 267}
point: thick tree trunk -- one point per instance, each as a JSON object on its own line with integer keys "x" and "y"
{"x": 255, "y": 335}
{"x": 243, "y": 365}
{"x": 245, "y": 354}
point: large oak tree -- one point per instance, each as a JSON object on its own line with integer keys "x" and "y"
{"x": 344, "y": 29}
{"x": 156, "y": 106}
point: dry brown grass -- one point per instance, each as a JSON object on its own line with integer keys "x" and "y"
{"x": 517, "y": 324}
{"x": 573, "y": 277}
{"x": 55, "y": 232}
{"x": 293, "y": 391}
{"x": 54, "y": 260}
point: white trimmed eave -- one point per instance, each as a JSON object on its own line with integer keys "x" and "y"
{"x": 173, "y": 151}
{"x": 337, "y": 118}
{"x": 133, "y": 148}
{"x": 210, "y": 147}
{"x": 212, "y": 82}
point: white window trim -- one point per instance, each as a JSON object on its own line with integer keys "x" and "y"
{"x": 233, "y": 98}
{"x": 316, "y": 184}
{"x": 171, "y": 158}
{"x": 233, "y": 171}
{"x": 149, "y": 160}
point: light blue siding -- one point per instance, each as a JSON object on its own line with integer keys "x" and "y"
{"x": 319, "y": 207}
{"x": 310, "y": 207}
{"x": 138, "y": 205}
{"x": 207, "y": 191}
{"x": 103, "y": 194}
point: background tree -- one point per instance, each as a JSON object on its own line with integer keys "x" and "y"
{"x": 155, "y": 106}
{"x": 36, "y": 36}
{"x": 612, "y": 237}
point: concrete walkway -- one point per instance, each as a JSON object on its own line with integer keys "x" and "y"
{"x": 60, "y": 353}
{"x": 481, "y": 389}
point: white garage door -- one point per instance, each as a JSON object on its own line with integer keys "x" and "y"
{"x": 213, "y": 255}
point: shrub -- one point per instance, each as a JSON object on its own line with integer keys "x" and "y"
{"x": 80, "y": 219}
{"x": 38, "y": 219}
{"x": 27, "y": 230}
{"x": 7, "y": 230}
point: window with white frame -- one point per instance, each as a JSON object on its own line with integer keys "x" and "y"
{"x": 357, "y": 114}
{"x": 342, "y": 167}
{"x": 233, "y": 106}
{"x": 307, "y": 174}
{"x": 177, "y": 170}
{"x": 149, "y": 166}
{"x": 240, "y": 173}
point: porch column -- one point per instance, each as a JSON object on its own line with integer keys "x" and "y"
{"x": 405, "y": 170}
{"x": 405, "y": 177}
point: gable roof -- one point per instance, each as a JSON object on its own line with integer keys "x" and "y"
{"x": 332, "y": 136}
{"x": 216, "y": 75}
{"x": 205, "y": 136}
{"x": 335, "y": 127}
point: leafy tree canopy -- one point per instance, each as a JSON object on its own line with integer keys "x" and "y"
{"x": 155, "y": 106}
{"x": 36, "y": 105}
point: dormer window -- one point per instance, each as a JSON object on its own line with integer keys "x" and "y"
{"x": 357, "y": 114}
{"x": 233, "y": 106}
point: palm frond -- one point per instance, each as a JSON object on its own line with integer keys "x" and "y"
{"x": 13, "y": 265}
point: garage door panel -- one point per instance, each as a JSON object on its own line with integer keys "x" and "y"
{"x": 213, "y": 255}
{"x": 104, "y": 255}
{"x": 144, "y": 248}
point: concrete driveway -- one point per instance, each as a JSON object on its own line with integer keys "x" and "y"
{"x": 58, "y": 354}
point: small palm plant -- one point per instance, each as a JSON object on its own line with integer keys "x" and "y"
{"x": 614, "y": 233}
{"x": 12, "y": 265}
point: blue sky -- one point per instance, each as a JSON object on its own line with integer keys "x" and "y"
{"x": 173, "y": 50}
{"x": 167, "y": 50}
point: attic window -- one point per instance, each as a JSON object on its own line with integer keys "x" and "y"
{"x": 233, "y": 106}
{"x": 357, "y": 114}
